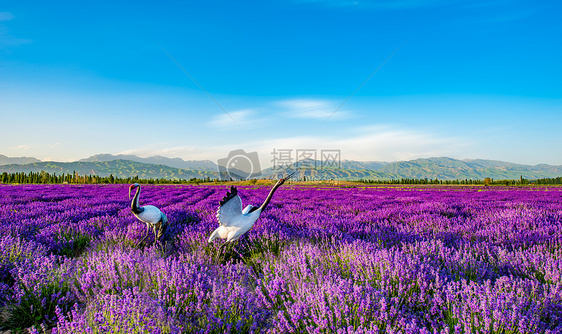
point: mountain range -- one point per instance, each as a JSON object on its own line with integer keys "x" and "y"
{"x": 442, "y": 168}
{"x": 203, "y": 165}
{"x": 4, "y": 160}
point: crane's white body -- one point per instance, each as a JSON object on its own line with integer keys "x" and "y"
{"x": 234, "y": 221}
{"x": 151, "y": 215}
{"x": 148, "y": 214}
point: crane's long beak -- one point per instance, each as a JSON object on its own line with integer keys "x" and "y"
{"x": 290, "y": 175}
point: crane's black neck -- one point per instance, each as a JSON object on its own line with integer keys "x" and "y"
{"x": 266, "y": 202}
{"x": 135, "y": 203}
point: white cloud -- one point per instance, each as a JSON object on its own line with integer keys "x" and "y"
{"x": 373, "y": 143}
{"x": 312, "y": 109}
{"x": 22, "y": 147}
{"x": 378, "y": 143}
{"x": 392, "y": 144}
{"x": 243, "y": 117}
{"x": 183, "y": 152}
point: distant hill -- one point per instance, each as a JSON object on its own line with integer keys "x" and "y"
{"x": 4, "y": 160}
{"x": 161, "y": 167}
{"x": 204, "y": 165}
{"x": 333, "y": 173}
{"x": 359, "y": 165}
{"x": 449, "y": 169}
{"x": 119, "y": 168}
{"x": 433, "y": 168}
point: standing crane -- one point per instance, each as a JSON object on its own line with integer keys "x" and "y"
{"x": 234, "y": 221}
{"x": 148, "y": 214}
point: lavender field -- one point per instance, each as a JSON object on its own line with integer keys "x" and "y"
{"x": 319, "y": 260}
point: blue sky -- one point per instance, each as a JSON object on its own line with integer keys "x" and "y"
{"x": 472, "y": 79}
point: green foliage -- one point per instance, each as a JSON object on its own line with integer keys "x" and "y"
{"x": 74, "y": 178}
{"x": 116, "y": 171}
{"x": 36, "y": 308}
{"x": 73, "y": 243}
{"x": 471, "y": 182}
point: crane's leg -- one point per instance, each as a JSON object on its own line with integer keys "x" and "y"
{"x": 223, "y": 249}
{"x": 161, "y": 229}
{"x": 234, "y": 248}
{"x": 157, "y": 236}
{"x": 223, "y": 246}
{"x": 146, "y": 235}
{"x": 231, "y": 242}
{"x": 158, "y": 231}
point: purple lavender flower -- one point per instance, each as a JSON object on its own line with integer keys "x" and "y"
{"x": 319, "y": 260}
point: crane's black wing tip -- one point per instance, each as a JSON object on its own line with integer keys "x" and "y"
{"x": 253, "y": 209}
{"x": 229, "y": 195}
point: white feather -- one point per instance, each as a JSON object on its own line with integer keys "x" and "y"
{"x": 229, "y": 211}
{"x": 150, "y": 215}
{"x": 233, "y": 221}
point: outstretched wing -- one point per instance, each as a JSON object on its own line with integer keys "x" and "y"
{"x": 230, "y": 208}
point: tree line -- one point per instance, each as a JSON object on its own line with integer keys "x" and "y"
{"x": 487, "y": 181}
{"x": 48, "y": 178}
